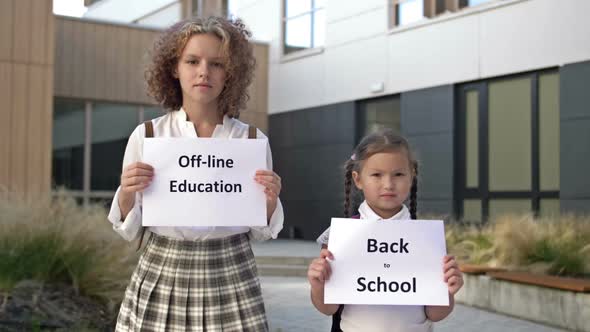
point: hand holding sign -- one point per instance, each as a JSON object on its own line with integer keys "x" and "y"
{"x": 272, "y": 183}
{"x": 453, "y": 276}
{"x": 136, "y": 177}
{"x": 197, "y": 180}
{"x": 388, "y": 263}
{"x": 319, "y": 270}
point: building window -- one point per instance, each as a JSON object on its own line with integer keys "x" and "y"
{"x": 304, "y": 25}
{"x": 90, "y": 2}
{"x": 196, "y": 7}
{"x": 407, "y": 11}
{"x": 152, "y": 112}
{"x": 404, "y": 12}
{"x": 225, "y": 6}
{"x": 205, "y": 8}
{"x": 471, "y": 3}
{"x": 379, "y": 113}
{"x": 508, "y": 147}
{"x": 111, "y": 126}
{"x": 68, "y": 143}
{"x": 89, "y": 140}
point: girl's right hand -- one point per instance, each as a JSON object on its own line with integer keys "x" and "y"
{"x": 319, "y": 270}
{"x": 136, "y": 177}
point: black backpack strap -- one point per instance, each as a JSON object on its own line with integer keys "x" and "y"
{"x": 149, "y": 133}
{"x": 336, "y": 317}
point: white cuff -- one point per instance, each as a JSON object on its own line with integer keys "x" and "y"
{"x": 130, "y": 227}
{"x": 271, "y": 231}
{"x": 324, "y": 238}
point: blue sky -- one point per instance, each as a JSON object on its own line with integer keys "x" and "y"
{"x": 69, "y": 7}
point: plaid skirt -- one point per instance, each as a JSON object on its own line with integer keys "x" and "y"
{"x": 208, "y": 285}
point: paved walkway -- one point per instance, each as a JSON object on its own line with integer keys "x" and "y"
{"x": 289, "y": 308}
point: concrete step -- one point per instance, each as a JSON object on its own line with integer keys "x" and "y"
{"x": 283, "y": 266}
{"x": 284, "y": 260}
{"x": 270, "y": 270}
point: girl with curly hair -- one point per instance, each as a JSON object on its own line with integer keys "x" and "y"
{"x": 195, "y": 278}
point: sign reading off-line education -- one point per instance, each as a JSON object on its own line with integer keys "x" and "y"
{"x": 387, "y": 262}
{"x": 204, "y": 182}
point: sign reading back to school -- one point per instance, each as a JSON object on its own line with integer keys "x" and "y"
{"x": 204, "y": 182}
{"x": 394, "y": 262}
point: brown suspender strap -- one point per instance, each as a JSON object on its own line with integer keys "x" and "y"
{"x": 251, "y": 132}
{"x": 149, "y": 129}
{"x": 140, "y": 239}
{"x": 149, "y": 133}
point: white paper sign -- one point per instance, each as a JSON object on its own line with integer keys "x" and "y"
{"x": 393, "y": 262}
{"x": 204, "y": 182}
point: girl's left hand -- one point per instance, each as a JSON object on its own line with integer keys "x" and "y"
{"x": 453, "y": 276}
{"x": 272, "y": 183}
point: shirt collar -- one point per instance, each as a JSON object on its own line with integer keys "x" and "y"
{"x": 367, "y": 213}
{"x": 181, "y": 117}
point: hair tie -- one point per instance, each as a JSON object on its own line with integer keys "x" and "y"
{"x": 353, "y": 157}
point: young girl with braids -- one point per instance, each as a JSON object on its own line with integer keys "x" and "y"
{"x": 195, "y": 278}
{"x": 384, "y": 169}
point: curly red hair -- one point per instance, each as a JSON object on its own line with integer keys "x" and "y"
{"x": 239, "y": 62}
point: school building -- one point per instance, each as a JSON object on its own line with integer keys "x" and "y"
{"x": 492, "y": 94}
{"x": 72, "y": 90}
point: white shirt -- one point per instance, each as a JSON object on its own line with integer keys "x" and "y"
{"x": 381, "y": 318}
{"x": 175, "y": 124}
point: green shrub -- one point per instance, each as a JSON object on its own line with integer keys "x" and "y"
{"x": 56, "y": 240}
{"x": 556, "y": 246}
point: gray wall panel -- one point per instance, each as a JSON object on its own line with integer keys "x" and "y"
{"x": 427, "y": 122}
{"x": 574, "y": 81}
{"x": 575, "y": 137}
{"x": 428, "y": 110}
{"x": 309, "y": 149}
{"x": 435, "y": 165}
{"x": 575, "y": 158}
{"x": 435, "y": 208}
{"x": 576, "y": 206}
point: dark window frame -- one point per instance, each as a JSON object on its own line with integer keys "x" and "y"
{"x": 461, "y": 192}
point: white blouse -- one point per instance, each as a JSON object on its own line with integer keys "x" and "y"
{"x": 381, "y": 318}
{"x": 175, "y": 124}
